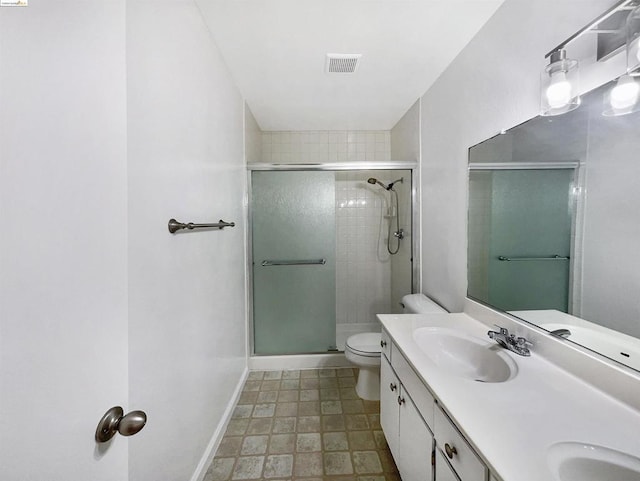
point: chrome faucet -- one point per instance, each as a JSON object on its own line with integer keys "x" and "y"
{"x": 519, "y": 345}
{"x": 564, "y": 333}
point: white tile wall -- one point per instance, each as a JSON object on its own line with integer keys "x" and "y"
{"x": 326, "y": 146}
{"x": 363, "y": 267}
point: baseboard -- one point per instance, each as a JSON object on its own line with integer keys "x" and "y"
{"x": 212, "y": 447}
{"x": 298, "y": 361}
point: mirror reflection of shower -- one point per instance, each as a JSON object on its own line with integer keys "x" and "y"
{"x": 393, "y": 212}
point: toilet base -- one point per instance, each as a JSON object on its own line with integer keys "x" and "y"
{"x": 368, "y": 385}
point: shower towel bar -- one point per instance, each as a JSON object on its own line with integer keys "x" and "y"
{"x": 175, "y": 226}
{"x": 300, "y": 262}
{"x": 550, "y": 258}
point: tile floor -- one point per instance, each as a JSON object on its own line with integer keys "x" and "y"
{"x": 304, "y": 425}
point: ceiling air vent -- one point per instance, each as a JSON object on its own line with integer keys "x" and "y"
{"x": 342, "y": 62}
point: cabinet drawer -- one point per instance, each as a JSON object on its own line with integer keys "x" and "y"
{"x": 385, "y": 345}
{"x": 421, "y": 396}
{"x": 460, "y": 455}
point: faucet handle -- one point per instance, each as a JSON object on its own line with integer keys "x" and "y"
{"x": 503, "y": 330}
{"x": 521, "y": 341}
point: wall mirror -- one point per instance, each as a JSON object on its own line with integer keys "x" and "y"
{"x": 554, "y": 226}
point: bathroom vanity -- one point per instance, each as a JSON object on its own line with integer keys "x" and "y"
{"x": 457, "y": 406}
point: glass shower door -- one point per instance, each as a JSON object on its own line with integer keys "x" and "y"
{"x": 294, "y": 239}
{"x": 530, "y": 239}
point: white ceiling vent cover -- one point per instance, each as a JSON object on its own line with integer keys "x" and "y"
{"x": 342, "y": 62}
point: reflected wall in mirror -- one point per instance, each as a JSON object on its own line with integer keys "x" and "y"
{"x": 554, "y": 226}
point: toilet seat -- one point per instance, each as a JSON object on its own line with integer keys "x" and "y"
{"x": 365, "y": 344}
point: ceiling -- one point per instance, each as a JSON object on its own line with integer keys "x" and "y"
{"x": 276, "y": 51}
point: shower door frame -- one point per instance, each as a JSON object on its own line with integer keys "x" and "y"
{"x": 416, "y": 280}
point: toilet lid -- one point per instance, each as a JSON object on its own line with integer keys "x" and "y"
{"x": 365, "y": 344}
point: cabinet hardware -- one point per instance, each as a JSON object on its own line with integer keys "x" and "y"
{"x": 450, "y": 450}
{"x": 383, "y": 344}
{"x": 393, "y": 387}
{"x": 400, "y": 400}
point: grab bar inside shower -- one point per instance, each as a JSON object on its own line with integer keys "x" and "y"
{"x": 555, "y": 257}
{"x": 295, "y": 262}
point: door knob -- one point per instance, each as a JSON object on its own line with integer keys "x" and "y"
{"x": 114, "y": 422}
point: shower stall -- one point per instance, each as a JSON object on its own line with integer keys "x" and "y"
{"x": 330, "y": 249}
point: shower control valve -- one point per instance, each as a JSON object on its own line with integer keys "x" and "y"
{"x": 399, "y": 234}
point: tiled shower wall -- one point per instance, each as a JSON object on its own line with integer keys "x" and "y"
{"x": 363, "y": 267}
{"x": 296, "y": 147}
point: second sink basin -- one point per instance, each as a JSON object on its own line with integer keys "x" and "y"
{"x": 465, "y": 356}
{"x": 571, "y": 461}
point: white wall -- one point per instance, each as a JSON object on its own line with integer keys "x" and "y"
{"x": 491, "y": 85}
{"x": 63, "y": 247}
{"x": 252, "y": 137}
{"x": 610, "y": 279}
{"x": 405, "y": 136}
{"x": 115, "y": 117}
{"x": 405, "y": 147}
{"x": 186, "y": 291}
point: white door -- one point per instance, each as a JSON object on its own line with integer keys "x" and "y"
{"x": 63, "y": 246}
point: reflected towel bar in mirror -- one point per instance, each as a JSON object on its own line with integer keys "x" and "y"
{"x": 175, "y": 226}
{"x": 550, "y": 258}
{"x": 300, "y": 262}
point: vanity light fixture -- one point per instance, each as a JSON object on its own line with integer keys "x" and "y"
{"x": 632, "y": 32}
{"x": 624, "y": 97}
{"x": 559, "y": 85}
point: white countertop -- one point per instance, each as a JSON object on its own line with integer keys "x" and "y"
{"x": 512, "y": 424}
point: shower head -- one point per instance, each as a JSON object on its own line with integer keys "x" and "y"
{"x": 373, "y": 180}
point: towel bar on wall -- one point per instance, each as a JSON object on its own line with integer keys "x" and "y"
{"x": 175, "y": 226}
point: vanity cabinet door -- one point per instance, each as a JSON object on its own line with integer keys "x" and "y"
{"x": 385, "y": 345}
{"x": 443, "y": 470}
{"x": 416, "y": 442}
{"x": 389, "y": 412}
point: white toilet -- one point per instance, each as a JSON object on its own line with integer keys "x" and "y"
{"x": 363, "y": 349}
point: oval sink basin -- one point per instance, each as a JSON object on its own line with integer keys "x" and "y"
{"x": 571, "y": 461}
{"x": 465, "y": 356}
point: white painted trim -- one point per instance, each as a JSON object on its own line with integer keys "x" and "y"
{"x": 298, "y": 361}
{"x": 212, "y": 447}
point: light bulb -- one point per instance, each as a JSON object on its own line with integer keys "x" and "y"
{"x": 625, "y": 93}
{"x": 559, "y": 90}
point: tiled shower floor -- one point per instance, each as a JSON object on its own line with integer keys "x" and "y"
{"x": 305, "y": 425}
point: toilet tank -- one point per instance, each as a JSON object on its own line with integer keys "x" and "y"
{"x": 420, "y": 304}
